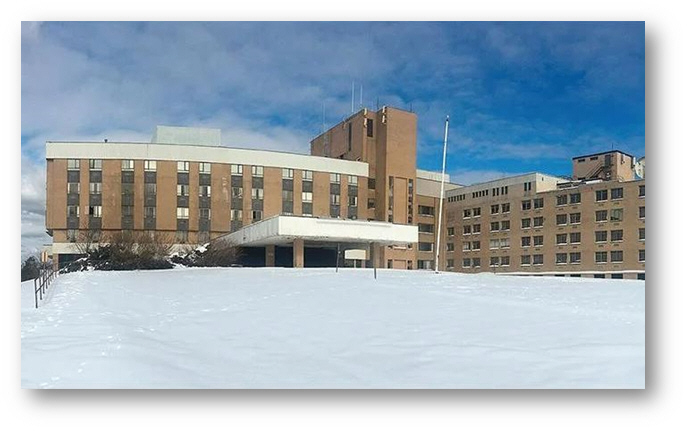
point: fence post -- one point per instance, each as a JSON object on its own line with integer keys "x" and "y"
{"x": 35, "y": 292}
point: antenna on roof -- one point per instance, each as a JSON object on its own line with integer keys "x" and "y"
{"x": 352, "y": 96}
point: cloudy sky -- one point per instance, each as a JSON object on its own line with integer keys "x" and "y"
{"x": 522, "y": 96}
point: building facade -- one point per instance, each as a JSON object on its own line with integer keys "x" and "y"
{"x": 362, "y": 175}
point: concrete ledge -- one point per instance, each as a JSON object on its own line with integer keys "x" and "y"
{"x": 284, "y": 229}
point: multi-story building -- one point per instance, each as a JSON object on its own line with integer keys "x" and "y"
{"x": 540, "y": 224}
{"x": 358, "y": 195}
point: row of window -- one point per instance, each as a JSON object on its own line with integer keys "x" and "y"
{"x": 205, "y": 168}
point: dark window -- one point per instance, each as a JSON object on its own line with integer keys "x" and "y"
{"x": 370, "y": 123}
{"x": 350, "y": 136}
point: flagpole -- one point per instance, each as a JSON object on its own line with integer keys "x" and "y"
{"x": 441, "y": 200}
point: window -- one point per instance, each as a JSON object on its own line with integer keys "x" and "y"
{"x": 306, "y": 196}
{"x": 561, "y": 238}
{"x": 467, "y": 230}
{"x": 527, "y": 186}
{"x": 466, "y": 263}
{"x": 237, "y": 192}
{"x": 371, "y": 183}
{"x": 538, "y": 203}
{"x": 182, "y": 213}
{"x": 525, "y": 241}
{"x": 599, "y": 276}
{"x": 538, "y": 259}
{"x": 256, "y": 215}
{"x": 642, "y": 255}
{"x": 204, "y": 168}
{"x": 353, "y": 180}
{"x": 287, "y": 173}
{"x": 150, "y": 189}
{"x": 617, "y": 214}
{"x": 562, "y": 200}
{"x": 575, "y": 238}
{"x": 617, "y": 276}
{"x": 450, "y": 246}
{"x": 504, "y": 242}
{"x": 505, "y": 208}
{"x": 204, "y": 213}
{"x": 236, "y": 215}
{"x": 335, "y": 178}
{"x": 425, "y": 228}
{"x": 641, "y": 212}
{"x": 183, "y": 166}
{"x": 73, "y": 187}
{"x": 72, "y": 235}
{"x": 476, "y": 262}
{"x": 150, "y": 165}
{"x": 601, "y": 195}
{"x": 204, "y": 191}
{"x": 287, "y": 195}
{"x": 641, "y": 191}
{"x": 149, "y": 212}
{"x": 95, "y": 188}
{"x": 127, "y": 165}
{"x": 127, "y": 210}
{"x": 641, "y": 234}
{"x": 526, "y": 205}
{"x": 538, "y": 221}
{"x": 494, "y": 244}
{"x": 257, "y": 193}
{"x": 561, "y": 258}
{"x": 602, "y": 216}
{"x": 575, "y": 198}
{"x": 95, "y": 211}
{"x": 494, "y": 226}
{"x": 257, "y": 171}
{"x": 476, "y": 212}
{"x": 450, "y": 231}
{"x": 505, "y": 225}
{"x": 425, "y": 211}
{"x": 237, "y": 169}
{"x": 526, "y": 223}
{"x": 73, "y": 164}
{"x": 425, "y": 246}
{"x": 617, "y": 235}
{"x": 538, "y": 240}
{"x": 601, "y": 236}
{"x": 370, "y": 203}
{"x": 561, "y": 219}
{"x": 475, "y": 245}
{"x": 307, "y": 175}
{"x": 525, "y": 259}
{"x": 476, "y": 228}
{"x": 617, "y": 256}
{"x": 601, "y": 257}
{"x": 95, "y": 164}
{"x": 505, "y": 260}
{"x": 466, "y": 213}
{"x": 575, "y": 257}
{"x": 335, "y": 199}
{"x": 183, "y": 189}
{"x": 369, "y": 126}
{"x": 575, "y": 218}
{"x": 617, "y": 193}
{"x": 182, "y": 236}
{"x": 72, "y": 210}
{"x": 494, "y": 261}
{"x": 467, "y": 245}
{"x": 494, "y": 209}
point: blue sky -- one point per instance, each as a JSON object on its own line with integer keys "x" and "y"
{"x": 522, "y": 96}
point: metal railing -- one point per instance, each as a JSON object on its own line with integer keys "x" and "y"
{"x": 42, "y": 282}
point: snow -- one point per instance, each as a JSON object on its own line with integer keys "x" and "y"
{"x": 314, "y": 328}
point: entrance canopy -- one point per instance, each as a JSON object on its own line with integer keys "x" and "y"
{"x": 284, "y": 229}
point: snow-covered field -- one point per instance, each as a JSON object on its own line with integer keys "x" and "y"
{"x": 314, "y": 328}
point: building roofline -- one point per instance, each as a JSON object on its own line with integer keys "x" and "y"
{"x": 601, "y": 153}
